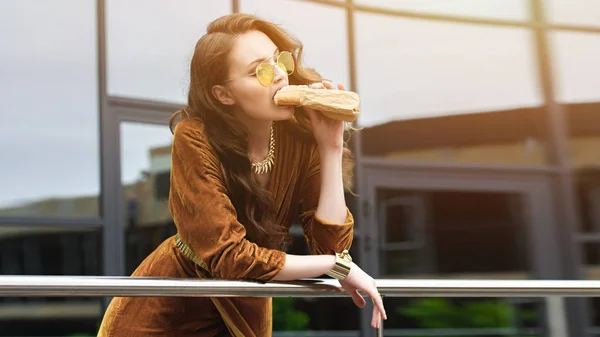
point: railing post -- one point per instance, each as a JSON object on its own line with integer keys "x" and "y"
{"x": 556, "y": 316}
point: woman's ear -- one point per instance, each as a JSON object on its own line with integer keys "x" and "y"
{"x": 223, "y": 95}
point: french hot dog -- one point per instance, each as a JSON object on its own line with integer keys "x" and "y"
{"x": 336, "y": 104}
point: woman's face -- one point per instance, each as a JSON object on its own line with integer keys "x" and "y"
{"x": 247, "y": 96}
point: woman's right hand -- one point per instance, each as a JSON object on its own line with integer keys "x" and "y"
{"x": 358, "y": 280}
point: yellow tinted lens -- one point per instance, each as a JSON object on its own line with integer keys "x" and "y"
{"x": 286, "y": 62}
{"x": 264, "y": 74}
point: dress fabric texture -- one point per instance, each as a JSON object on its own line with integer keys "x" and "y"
{"x": 206, "y": 221}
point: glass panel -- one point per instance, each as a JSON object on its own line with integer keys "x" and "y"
{"x": 580, "y": 12}
{"x": 150, "y": 58}
{"x": 145, "y": 170}
{"x": 325, "y": 49}
{"x": 577, "y": 76}
{"x": 451, "y": 93}
{"x": 444, "y": 69}
{"x": 457, "y": 234}
{"x": 50, "y": 251}
{"x": 577, "y": 72}
{"x": 400, "y": 218}
{"x": 48, "y": 104}
{"x": 587, "y": 188}
{"x": 496, "y": 9}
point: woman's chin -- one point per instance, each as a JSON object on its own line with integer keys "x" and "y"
{"x": 285, "y": 112}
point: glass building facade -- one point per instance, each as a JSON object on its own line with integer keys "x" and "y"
{"x": 478, "y": 155}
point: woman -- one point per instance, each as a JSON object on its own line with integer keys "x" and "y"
{"x": 243, "y": 169}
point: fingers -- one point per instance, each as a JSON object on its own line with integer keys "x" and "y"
{"x": 358, "y": 279}
{"x": 378, "y": 309}
{"x": 378, "y": 314}
{"x": 312, "y": 115}
{"x": 327, "y": 85}
{"x": 353, "y": 292}
{"x": 376, "y": 320}
{"x": 378, "y": 303}
{"x": 358, "y": 299}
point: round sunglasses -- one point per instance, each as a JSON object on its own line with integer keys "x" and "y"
{"x": 265, "y": 71}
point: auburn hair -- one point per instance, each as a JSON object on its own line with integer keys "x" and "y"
{"x": 229, "y": 138}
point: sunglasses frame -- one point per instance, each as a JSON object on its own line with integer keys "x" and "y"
{"x": 271, "y": 67}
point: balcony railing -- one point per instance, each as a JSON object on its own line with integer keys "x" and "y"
{"x": 104, "y": 286}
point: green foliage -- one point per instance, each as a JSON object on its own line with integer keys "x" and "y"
{"x": 441, "y": 313}
{"x": 286, "y": 317}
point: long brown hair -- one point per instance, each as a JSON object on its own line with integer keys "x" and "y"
{"x": 228, "y": 137}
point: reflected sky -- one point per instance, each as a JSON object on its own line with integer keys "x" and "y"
{"x": 48, "y": 100}
{"x": 491, "y": 9}
{"x": 48, "y": 103}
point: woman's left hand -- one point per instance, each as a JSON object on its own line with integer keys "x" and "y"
{"x": 329, "y": 133}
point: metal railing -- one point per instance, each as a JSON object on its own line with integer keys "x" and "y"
{"x": 100, "y": 286}
{"x": 106, "y": 286}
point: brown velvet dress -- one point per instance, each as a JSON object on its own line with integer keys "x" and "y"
{"x": 206, "y": 221}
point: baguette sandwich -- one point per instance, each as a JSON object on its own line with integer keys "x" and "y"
{"x": 336, "y": 104}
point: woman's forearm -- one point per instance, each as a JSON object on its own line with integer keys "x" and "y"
{"x": 332, "y": 203}
{"x": 305, "y": 266}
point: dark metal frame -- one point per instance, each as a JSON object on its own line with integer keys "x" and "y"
{"x": 114, "y": 110}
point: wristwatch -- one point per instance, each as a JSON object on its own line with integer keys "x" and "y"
{"x": 341, "y": 268}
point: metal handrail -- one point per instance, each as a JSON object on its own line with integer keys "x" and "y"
{"x": 101, "y": 286}
{"x": 107, "y": 286}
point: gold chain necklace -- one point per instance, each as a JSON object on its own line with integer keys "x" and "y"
{"x": 266, "y": 164}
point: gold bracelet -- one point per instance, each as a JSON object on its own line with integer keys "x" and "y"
{"x": 341, "y": 268}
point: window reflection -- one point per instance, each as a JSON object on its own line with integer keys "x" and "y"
{"x": 427, "y": 234}
{"x": 418, "y": 68}
{"x": 49, "y": 130}
{"x": 576, "y": 69}
{"x": 580, "y": 12}
{"x": 493, "y": 9}
{"x": 50, "y": 251}
{"x": 453, "y": 92}
{"x": 145, "y": 171}
{"x": 455, "y": 234}
{"x": 150, "y": 59}
{"x": 507, "y": 137}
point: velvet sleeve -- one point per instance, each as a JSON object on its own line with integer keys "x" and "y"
{"x": 205, "y": 216}
{"x": 322, "y": 237}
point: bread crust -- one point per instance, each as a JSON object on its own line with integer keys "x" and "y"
{"x": 336, "y": 104}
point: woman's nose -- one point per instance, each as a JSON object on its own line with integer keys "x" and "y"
{"x": 280, "y": 73}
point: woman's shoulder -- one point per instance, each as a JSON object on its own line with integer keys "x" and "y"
{"x": 191, "y": 142}
{"x": 190, "y": 127}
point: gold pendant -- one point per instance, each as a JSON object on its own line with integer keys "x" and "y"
{"x": 265, "y": 165}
